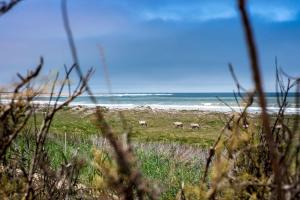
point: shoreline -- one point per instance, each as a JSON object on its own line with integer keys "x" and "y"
{"x": 206, "y": 108}
{"x": 181, "y": 108}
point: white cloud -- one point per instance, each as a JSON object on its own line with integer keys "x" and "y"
{"x": 190, "y": 13}
{"x": 203, "y": 12}
{"x": 275, "y": 14}
{"x": 149, "y": 15}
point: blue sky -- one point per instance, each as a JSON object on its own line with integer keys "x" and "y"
{"x": 153, "y": 45}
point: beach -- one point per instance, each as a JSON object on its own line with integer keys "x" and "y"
{"x": 204, "y": 102}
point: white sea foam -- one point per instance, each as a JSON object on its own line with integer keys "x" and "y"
{"x": 208, "y": 107}
{"x": 130, "y": 94}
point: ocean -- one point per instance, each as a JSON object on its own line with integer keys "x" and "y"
{"x": 177, "y": 101}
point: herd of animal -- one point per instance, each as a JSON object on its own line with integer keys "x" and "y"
{"x": 176, "y": 124}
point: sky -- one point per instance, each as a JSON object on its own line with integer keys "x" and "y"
{"x": 152, "y": 45}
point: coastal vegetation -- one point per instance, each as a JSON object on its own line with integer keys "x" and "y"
{"x": 55, "y": 151}
{"x": 167, "y": 161}
{"x": 160, "y": 125}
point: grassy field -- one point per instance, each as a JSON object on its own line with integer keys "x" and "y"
{"x": 160, "y": 125}
{"x": 167, "y": 155}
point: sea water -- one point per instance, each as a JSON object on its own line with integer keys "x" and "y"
{"x": 217, "y": 102}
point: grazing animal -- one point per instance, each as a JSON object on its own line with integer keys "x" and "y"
{"x": 278, "y": 126}
{"x": 245, "y": 126}
{"x": 143, "y": 123}
{"x": 195, "y": 126}
{"x": 178, "y": 124}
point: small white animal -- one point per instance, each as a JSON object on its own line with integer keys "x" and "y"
{"x": 195, "y": 126}
{"x": 178, "y": 124}
{"x": 245, "y": 126}
{"x": 278, "y": 126}
{"x": 143, "y": 123}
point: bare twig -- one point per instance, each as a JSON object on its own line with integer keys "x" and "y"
{"x": 124, "y": 156}
{"x": 5, "y": 7}
{"x": 254, "y": 61}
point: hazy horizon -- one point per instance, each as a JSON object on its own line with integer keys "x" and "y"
{"x": 161, "y": 46}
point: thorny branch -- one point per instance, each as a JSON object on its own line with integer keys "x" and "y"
{"x": 42, "y": 133}
{"x": 12, "y": 110}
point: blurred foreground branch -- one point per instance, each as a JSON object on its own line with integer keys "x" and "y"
{"x": 130, "y": 184}
{"x": 7, "y": 6}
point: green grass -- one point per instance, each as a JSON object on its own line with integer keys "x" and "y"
{"x": 168, "y": 173}
{"x": 165, "y": 170}
{"x": 160, "y": 126}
